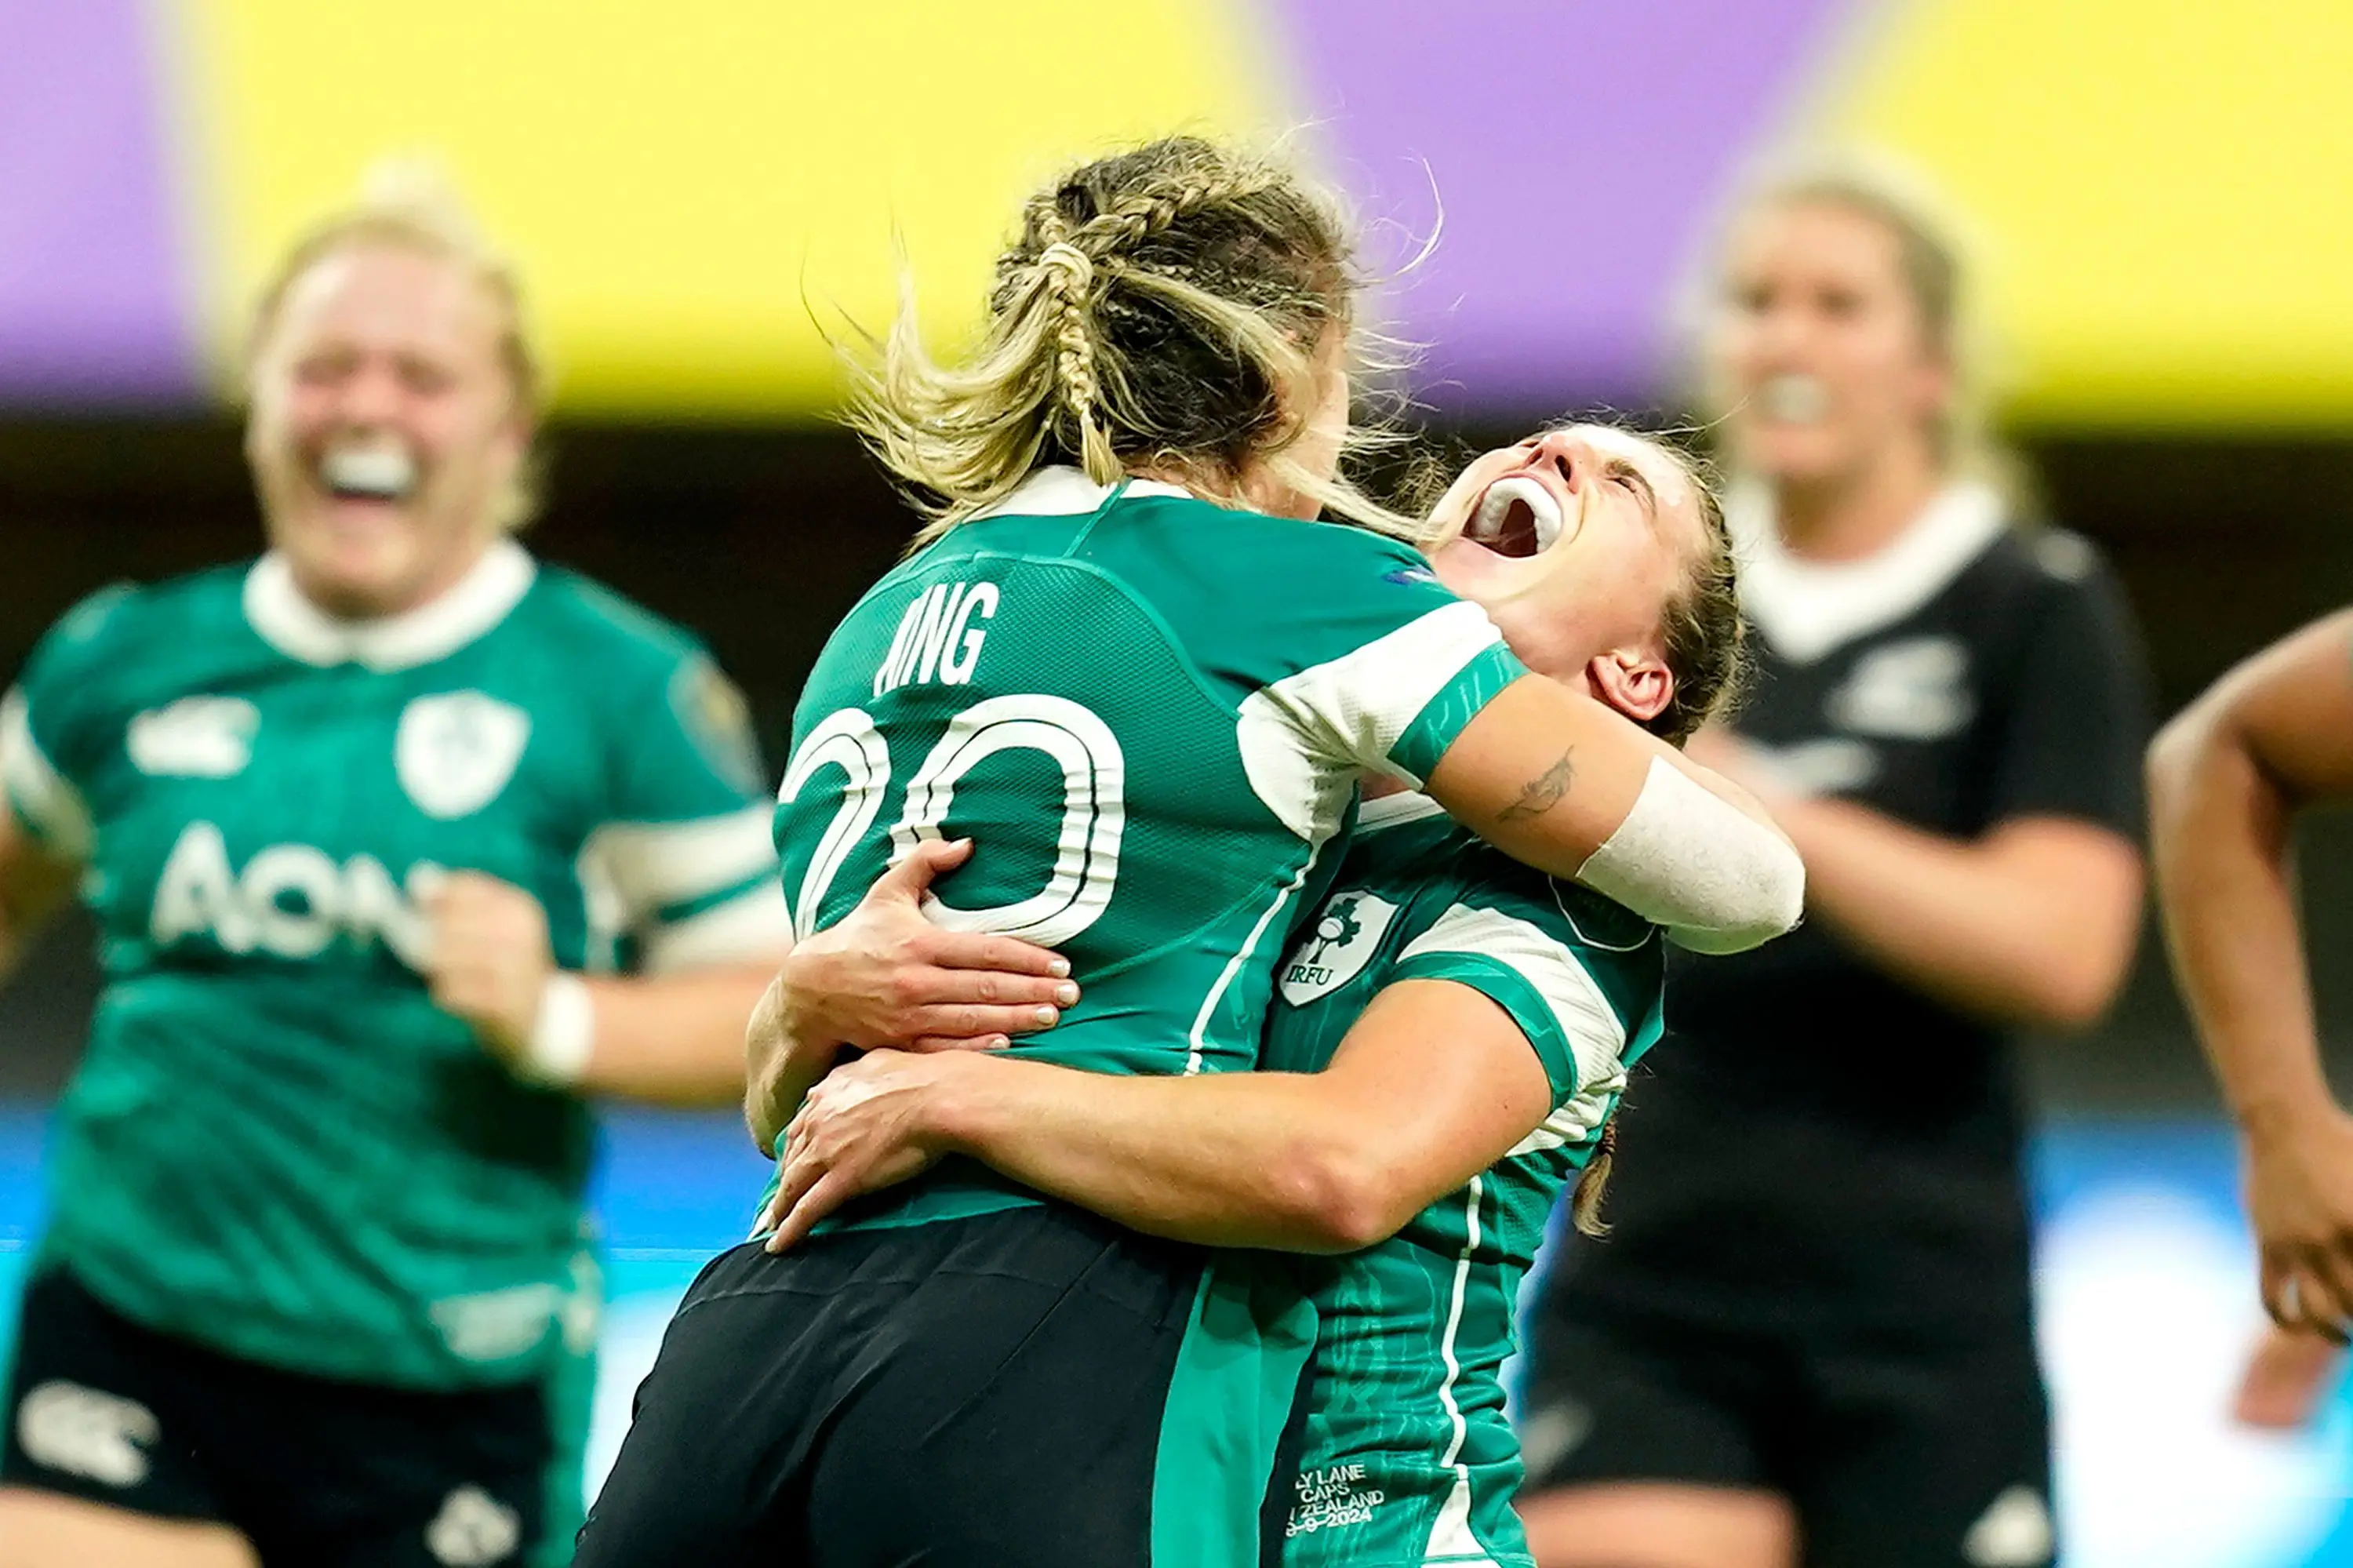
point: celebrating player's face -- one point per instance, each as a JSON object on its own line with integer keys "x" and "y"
{"x": 384, "y": 435}
{"x": 1818, "y": 352}
{"x": 1576, "y": 542}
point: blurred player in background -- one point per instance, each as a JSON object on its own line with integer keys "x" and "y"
{"x": 1132, "y": 669}
{"x": 1809, "y": 1337}
{"x": 1450, "y": 1037}
{"x": 369, "y": 828}
{"x": 2227, "y": 778}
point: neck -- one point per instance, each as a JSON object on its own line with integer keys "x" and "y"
{"x": 1858, "y": 514}
{"x": 359, "y": 610}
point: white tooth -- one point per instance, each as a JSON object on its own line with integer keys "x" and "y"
{"x": 386, "y": 472}
{"x": 1794, "y": 399}
{"x": 1500, "y": 495}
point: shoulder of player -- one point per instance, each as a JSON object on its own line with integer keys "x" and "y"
{"x": 1189, "y": 527}
{"x": 596, "y": 622}
{"x": 116, "y": 623}
{"x": 2037, "y": 561}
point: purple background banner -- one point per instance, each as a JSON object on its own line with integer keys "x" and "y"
{"x": 90, "y": 305}
{"x": 1578, "y": 148}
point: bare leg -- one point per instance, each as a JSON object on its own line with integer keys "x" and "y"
{"x": 42, "y": 1529}
{"x": 1658, "y": 1524}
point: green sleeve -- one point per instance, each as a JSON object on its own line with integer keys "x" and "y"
{"x": 54, "y": 728}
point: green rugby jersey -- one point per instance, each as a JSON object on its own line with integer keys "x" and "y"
{"x": 1150, "y": 713}
{"x": 1408, "y": 1458}
{"x": 276, "y": 1145}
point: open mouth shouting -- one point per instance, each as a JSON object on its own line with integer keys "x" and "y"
{"x": 371, "y": 472}
{"x": 1517, "y": 517}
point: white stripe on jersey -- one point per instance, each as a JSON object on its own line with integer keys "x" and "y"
{"x": 1583, "y": 1014}
{"x": 1304, "y": 738}
{"x": 54, "y": 807}
{"x": 1197, "y": 1040}
{"x": 649, "y": 866}
{"x": 753, "y": 927}
{"x": 1450, "y": 1540}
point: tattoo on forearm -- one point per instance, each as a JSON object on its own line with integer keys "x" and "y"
{"x": 1543, "y": 792}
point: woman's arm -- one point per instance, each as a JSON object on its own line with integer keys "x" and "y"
{"x": 1430, "y": 1086}
{"x": 2226, "y": 778}
{"x": 1559, "y": 781}
{"x": 35, "y": 884}
{"x": 668, "y": 1039}
{"x": 2033, "y": 924}
{"x": 885, "y": 976}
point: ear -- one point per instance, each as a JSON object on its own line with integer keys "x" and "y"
{"x": 1635, "y": 682}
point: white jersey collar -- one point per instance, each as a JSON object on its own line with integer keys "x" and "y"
{"x": 1064, "y": 492}
{"x": 477, "y": 602}
{"x": 1805, "y": 608}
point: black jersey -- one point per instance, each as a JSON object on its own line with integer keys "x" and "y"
{"x": 1815, "y": 1136}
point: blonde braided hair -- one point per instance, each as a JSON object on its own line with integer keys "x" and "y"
{"x": 1160, "y": 309}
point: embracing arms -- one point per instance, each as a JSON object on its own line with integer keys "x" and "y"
{"x": 1430, "y": 1086}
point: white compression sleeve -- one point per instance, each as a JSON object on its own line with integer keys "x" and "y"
{"x": 1717, "y": 879}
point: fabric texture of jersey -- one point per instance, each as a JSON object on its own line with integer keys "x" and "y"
{"x": 1408, "y": 1458}
{"x": 276, "y": 1145}
{"x": 1150, "y": 714}
{"x": 1972, "y": 674}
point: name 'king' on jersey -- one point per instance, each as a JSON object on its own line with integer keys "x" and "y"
{"x": 276, "y": 1145}
{"x": 1408, "y": 1458}
{"x": 1150, "y": 714}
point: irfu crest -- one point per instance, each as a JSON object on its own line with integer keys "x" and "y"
{"x": 455, "y": 751}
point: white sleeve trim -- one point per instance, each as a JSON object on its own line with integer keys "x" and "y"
{"x": 54, "y": 806}
{"x": 754, "y": 928}
{"x": 1304, "y": 738}
{"x": 649, "y": 866}
{"x": 1595, "y": 1034}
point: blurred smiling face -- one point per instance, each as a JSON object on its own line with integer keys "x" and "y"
{"x": 1576, "y": 543}
{"x": 383, "y": 436}
{"x": 1818, "y": 352}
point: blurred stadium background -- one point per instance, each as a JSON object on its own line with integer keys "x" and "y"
{"x": 2163, "y": 194}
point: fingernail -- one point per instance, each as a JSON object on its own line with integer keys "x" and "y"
{"x": 1045, "y": 1016}
{"x": 1061, "y": 968}
{"x": 997, "y": 1043}
{"x": 1067, "y": 994}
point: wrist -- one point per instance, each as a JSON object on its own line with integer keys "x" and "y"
{"x": 563, "y": 1038}
{"x": 957, "y": 1112}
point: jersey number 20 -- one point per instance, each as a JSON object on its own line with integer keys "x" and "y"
{"x": 1086, "y": 846}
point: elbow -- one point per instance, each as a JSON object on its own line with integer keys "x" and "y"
{"x": 1767, "y": 904}
{"x": 2174, "y": 755}
{"x": 2071, "y": 981}
{"x": 1331, "y": 1199}
{"x": 2073, "y": 997}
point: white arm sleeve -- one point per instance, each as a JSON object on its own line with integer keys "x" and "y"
{"x": 1717, "y": 879}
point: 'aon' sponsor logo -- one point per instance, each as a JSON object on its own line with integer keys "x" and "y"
{"x": 290, "y": 900}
